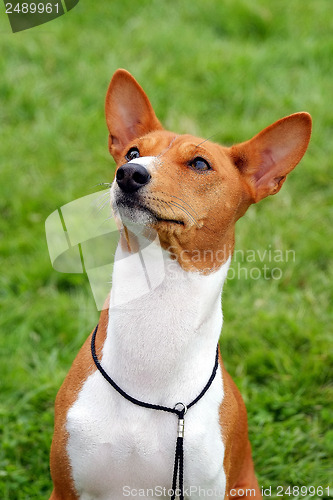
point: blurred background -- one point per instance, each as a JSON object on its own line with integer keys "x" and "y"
{"x": 226, "y": 69}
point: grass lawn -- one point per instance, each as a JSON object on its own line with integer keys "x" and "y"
{"x": 224, "y": 68}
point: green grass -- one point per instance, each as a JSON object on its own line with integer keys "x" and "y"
{"x": 227, "y": 68}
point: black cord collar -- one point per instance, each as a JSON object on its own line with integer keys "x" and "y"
{"x": 179, "y": 409}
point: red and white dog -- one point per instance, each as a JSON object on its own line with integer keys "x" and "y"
{"x": 159, "y": 346}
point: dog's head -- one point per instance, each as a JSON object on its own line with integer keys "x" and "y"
{"x": 190, "y": 190}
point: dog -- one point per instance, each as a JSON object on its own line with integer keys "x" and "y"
{"x": 156, "y": 349}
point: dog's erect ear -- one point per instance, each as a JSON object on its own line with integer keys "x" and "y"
{"x": 129, "y": 113}
{"x": 265, "y": 160}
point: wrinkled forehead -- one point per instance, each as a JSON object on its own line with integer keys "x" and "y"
{"x": 162, "y": 143}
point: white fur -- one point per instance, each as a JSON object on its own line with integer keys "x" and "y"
{"x": 127, "y": 214}
{"x": 160, "y": 348}
{"x": 146, "y": 161}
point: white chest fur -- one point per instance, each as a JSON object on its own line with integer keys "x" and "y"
{"x": 160, "y": 348}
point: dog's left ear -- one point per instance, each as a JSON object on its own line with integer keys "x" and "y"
{"x": 265, "y": 160}
{"x": 129, "y": 113}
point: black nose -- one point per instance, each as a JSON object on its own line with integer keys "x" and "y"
{"x": 131, "y": 177}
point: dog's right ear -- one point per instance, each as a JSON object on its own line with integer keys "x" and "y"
{"x": 128, "y": 111}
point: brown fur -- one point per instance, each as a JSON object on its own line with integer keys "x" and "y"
{"x": 207, "y": 206}
{"x": 238, "y": 464}
{"x": 82, "y": 367}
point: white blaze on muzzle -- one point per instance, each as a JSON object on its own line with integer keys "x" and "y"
{"x": 148, "y": 162}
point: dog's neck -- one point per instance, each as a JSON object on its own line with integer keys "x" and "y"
{"x": 164, "y": 325}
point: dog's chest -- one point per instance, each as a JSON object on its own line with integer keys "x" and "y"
{"x": 117, "y": 449}
{"x": 160, "y": 348}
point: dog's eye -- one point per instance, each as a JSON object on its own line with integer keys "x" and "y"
{"x": 200, "y": 164}
{"x": 132, "y": 154}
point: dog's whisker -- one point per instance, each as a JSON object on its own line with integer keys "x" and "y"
{"x": 168, "y": 205}
{"x": 167, "y": 148}
{"x": 162, "y": 202}
{"x": 208, "y": 139}
{"x": 103, "y": 195}
{"x": 102, "y": 198}
{"x": 108, "y": 218}
{"x": 180, "y": 199}
{"x": 171, "y": 203}
{"x": 107, "y": 184}
{"x": 183, "y": 209}
{"x": 179, "y": 205}
{"x": 102, "y": 205}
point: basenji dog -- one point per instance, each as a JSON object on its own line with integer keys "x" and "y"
{"x": 158, "y": 347}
